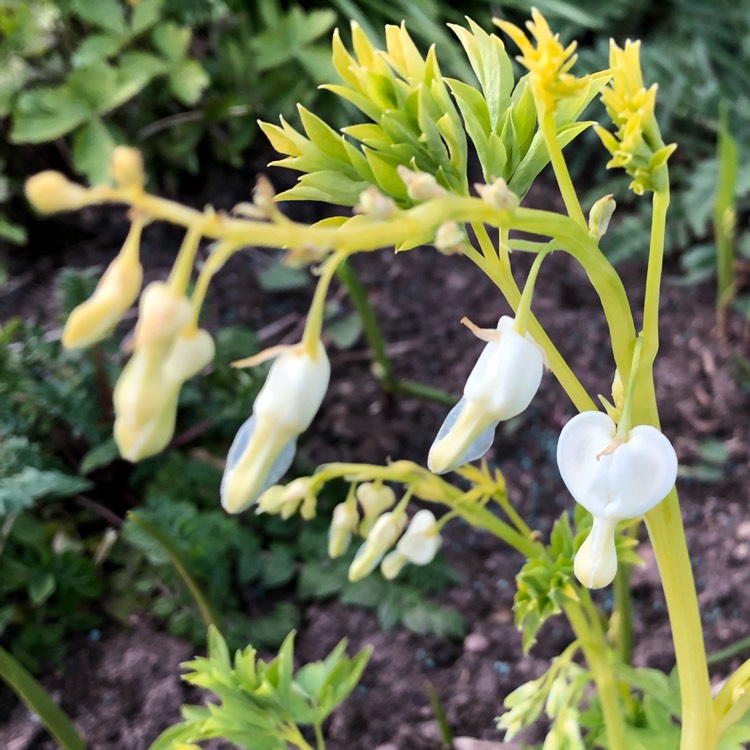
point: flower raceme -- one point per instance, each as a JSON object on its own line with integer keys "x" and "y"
{"x": 264, "y": 446}
{"x": 500, "y": 386}
{"x": 614, "y": 479}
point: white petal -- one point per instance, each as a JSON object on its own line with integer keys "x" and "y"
{"x": 294, "y": 388}
{"x": 642, "y": 471}
{"x": 422, "y": 540}
{"x": 595, "y": 563}
{"x": 581, "y": 440}
{"x": 465, "y": 435}
{"x": 255, "y": 462}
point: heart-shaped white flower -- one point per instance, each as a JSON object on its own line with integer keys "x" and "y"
{"x": 500, "y": 386}
{"x": 614, "y": 480}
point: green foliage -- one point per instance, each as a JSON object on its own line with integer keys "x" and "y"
{"x": 546, "y": 583}
{"x": 262, "y": 704}
{"x": 113, "y": 53}
{"x": 415, "y": 123}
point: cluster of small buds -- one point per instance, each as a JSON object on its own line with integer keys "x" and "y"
{"x": 636, "y": 146}
{"x": 497, "y": 194}
{"x": 547, "y": 61}
{"x": 286, "y": 500}
{"x": 420, "y": 186}
{"x": 419, "y": 545}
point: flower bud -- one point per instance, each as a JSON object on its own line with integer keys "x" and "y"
{"x": 422, "y": 539}
{"x": 381, "y": 538}
{"x": 126, "y": 167}
{"x": 192, "y": 350}
{"x": 374, "y": 204}
{"x": 139, "y": 440}
{"x": 117, "y": 290}
{"x": 343, "y": 525}
{"x": 265, "y": 444}
{"x": 450, "y": 239}
{"x": 420, "y": 186}
{"x": 498, "y": 195}
{"x": 595, "y": 563}
{"x": 600, "y": 215}
{"x": 51, "y": 191}
{"x": 162, "y": 314}
{"x": 375, "y": 498}
{"x": 393, "y": 563}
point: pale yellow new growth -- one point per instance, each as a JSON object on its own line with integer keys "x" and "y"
{"x": 546, "y": 59}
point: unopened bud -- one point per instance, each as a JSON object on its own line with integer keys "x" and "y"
{"x": 450, "y": 239}
{"x": 51, "y": 191}
{"x": 498, "y": 195}
{"x": 599, "y": 216}
{"x": 393, "y": 563}
{"x": 162, "y": 314}
{"x": 381, "y": 538}
{"x": 420, "y": 186}
{"x": 343, "y": 525}
{"x": 190, "y": 353}
{"x": 126, "y": 167}
{"x": 263, "y": 197}
{"x": 373, "y": 203}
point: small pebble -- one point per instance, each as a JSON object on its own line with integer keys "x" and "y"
{"x": 743, "y": 530}
{"x": 475, "y": 643}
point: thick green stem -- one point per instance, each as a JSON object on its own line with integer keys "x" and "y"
{"x": 594, "y": 647}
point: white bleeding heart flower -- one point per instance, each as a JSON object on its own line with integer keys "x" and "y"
{"x": 614, "y": 481}
{"x": 422, "y": 539}
{"x": 265, "y": 444}
{"x": 500, "y": 386}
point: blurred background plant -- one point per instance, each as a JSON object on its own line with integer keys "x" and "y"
{"x": 186, "y": 82}
{"x": 74, "y": 556}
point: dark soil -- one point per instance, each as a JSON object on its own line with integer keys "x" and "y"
{"x": 124, "y": 689}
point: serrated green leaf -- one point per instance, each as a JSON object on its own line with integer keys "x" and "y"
{"x": 105, "y": 14}
{"x": 172, "y": 40}
{"x": 94, "y": 48}
{"x": 44, "y": 113}
{"x": 92, "y": 147}
{"x": 145, "y": 14}
{"x": 101, "y": 455}
{"x": 188, "y": 81}
{"x": 41, "y": 586}
{"x": 23, "y": 489}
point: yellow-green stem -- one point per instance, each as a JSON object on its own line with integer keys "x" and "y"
{"x": 594, "y": 647}
{"x": 524, "y": 305}
{"x": 666, "y": 531}
{"x": 557, "y": 364}
{"x": 572, "y": 205}
{"x": 314, "y": 324}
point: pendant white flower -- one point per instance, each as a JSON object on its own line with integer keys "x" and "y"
{"x": 614, "y": 481}
{"x": 422, "y": 539}
{"x": 500, "y": 386}
{"x": 264, "y": 446}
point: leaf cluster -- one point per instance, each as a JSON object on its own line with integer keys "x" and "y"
{"x": 547, "y": 582}
{"x": 262, "y": 704}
